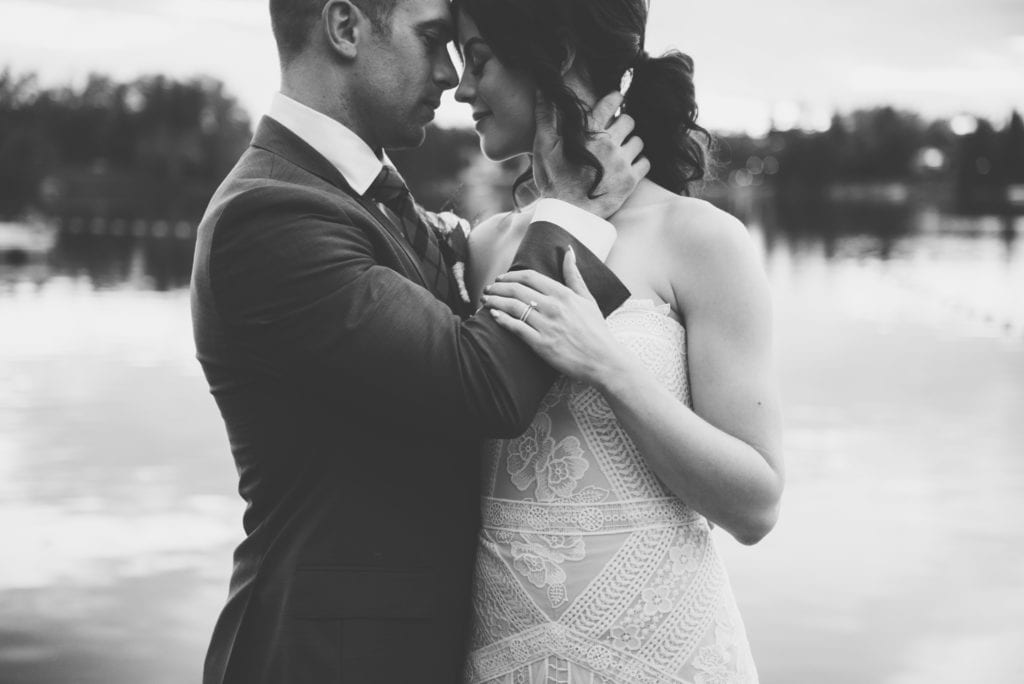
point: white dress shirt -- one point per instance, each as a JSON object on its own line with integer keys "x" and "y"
{"x": 359, "y": 166}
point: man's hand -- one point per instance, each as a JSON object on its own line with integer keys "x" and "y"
{"x": 623, "y": 164}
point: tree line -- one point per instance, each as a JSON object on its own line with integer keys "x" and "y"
{"x": 153, "y": 146}
{"x": 158, "y": 147}
{"x": 885, "y": 145}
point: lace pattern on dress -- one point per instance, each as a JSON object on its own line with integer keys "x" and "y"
{"x": 583, "y": 519}
{"x": 588, "y": 569}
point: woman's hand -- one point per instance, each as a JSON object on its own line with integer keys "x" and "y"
{"x": 562, "y": 324}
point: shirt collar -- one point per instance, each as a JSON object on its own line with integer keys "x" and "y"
{"x": 345, "y": 150}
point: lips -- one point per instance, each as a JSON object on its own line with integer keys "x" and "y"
{"x": 477, "y": 116}
{"x": 429, "y": 109}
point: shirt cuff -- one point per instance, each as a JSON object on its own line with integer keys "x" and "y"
{"x": 594, "y": 233}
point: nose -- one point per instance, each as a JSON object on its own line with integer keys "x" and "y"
{"x": 445, "y": 75}
{"x": 466, "y": 91}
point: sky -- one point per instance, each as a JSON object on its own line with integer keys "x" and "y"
{"x": 793, "y": 62}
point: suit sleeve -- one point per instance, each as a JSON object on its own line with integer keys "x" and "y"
{"x": 596, "y": 233}
{"x": 543, "y": 249}
{"x": 299, "y": 286}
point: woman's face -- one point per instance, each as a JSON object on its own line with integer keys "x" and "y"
{"x": 502, "y": 99}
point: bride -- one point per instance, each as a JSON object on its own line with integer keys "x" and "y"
{"x": 595, "y": 561}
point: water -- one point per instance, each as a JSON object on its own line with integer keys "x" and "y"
{"x": 899, "y": 557}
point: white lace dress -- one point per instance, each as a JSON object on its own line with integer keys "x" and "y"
{"x": 588, "y": 570}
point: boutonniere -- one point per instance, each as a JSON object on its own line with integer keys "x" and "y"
{"x": 453, "y": 239}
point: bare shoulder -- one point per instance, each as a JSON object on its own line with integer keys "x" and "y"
{"x": 492, "y": 244}
{"x": 697, "y": 231}
{"x": 488, "y": 232}
{"x": 714, "y": 265}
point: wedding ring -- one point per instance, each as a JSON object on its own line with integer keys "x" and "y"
{"x": 529, "y": 309}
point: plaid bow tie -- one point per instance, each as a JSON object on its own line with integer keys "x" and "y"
{"x": 390, "y": 190}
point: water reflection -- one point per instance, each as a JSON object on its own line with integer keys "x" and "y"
{"x": 967, "y": 271}
{"x": 109, "y": 261}
{"x": 115, "y": 489}
{"x": 901, "y": 350}
{"x": 158, "y": 256}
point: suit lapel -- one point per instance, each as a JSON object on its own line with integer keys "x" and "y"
{"x": 278, "y": 139}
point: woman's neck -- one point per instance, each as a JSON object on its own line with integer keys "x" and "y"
{"x": 648, "y": 193}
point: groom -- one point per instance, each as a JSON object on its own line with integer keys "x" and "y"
{"x": 354, "y": 398}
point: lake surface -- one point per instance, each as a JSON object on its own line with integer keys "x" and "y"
{"x": 899, "y": 557}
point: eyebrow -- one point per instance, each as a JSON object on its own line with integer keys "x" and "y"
{"x": 444, "y": 26}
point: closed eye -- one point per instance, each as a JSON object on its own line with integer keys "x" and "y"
{"x": 436, "y": 33}
{"x": 477, "y": 55}
{"x": 434, "y": 40}
{"x": 476, "y": 64}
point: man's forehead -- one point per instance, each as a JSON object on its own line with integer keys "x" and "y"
{"x": 423, "y": 11}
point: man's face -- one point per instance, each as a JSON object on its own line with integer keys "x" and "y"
{"x": 404, "y": 72}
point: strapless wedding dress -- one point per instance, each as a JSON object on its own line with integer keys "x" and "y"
{"x": 588, "y": 570}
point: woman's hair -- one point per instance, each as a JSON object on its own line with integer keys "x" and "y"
{"x": 605, "y": 38}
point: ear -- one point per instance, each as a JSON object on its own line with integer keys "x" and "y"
{"x": 343, "y": 25}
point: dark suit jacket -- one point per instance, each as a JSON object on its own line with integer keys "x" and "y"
{"x": 354, "y": 401}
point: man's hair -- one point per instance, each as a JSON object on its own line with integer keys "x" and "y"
{"x": 293, "y": 21}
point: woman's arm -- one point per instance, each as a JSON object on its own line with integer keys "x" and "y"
{"x": 722, "y": 458}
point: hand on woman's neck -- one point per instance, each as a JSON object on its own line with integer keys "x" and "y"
{"x": 581, "y": 88}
